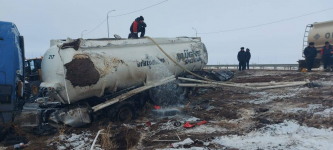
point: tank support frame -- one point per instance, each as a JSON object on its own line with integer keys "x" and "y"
{"x": 132, "y": 93}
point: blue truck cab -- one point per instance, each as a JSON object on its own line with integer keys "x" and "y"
{"x": 11, "y": 70}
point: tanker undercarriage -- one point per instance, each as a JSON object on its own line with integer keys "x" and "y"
{"x": 44, "y": 114}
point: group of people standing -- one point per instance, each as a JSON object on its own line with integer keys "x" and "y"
{"x": 244, "y": 59}
{"x": 310, "y": 53}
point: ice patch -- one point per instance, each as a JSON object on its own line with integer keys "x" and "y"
{"x": 81, "y": 141}
{"x": 310, "y": 109}
{"x": 187, "y": 141}
{"x": 326, "y": 113}
{"x": 266, "y": 97}
{"x": 286, "y": 135}
{"x": 192, "y": 148}
{"x": 192, "y": 119}
{"x": 205, "y": 129}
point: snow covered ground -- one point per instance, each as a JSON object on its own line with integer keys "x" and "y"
{"x": 266, "y": 97}
{"x": 286, "y": 135}
{"x": 74, "y": 141}
{"x": 309, "y": 109}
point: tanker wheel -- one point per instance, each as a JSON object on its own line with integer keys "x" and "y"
{"x": 125, "y": 113}
{"x": 34, "y": 87}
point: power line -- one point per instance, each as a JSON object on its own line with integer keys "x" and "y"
{"x": 95, "y": 27}
{"x": 139, "y": 9}
{"x": 267, "y": 23}
{"x": 125, "y": 14}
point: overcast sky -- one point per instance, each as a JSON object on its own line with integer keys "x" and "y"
{"x": 40, "y": 20}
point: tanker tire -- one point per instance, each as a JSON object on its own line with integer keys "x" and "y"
{"x": 125, "y": 113}
{"x": 34, "y": 88}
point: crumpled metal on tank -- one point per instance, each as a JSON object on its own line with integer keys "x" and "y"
{"x": 75, "y": 44}
{"x": 75, "y": 117}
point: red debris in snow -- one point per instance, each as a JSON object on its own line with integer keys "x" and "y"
{"x": 201, "y": 122}
{"x": 157, "y": 107}
{"x": 148, "y": 123}
{"x": 188, "y": 125}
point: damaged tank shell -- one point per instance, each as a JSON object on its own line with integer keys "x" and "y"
{"x": 79, "y": 69}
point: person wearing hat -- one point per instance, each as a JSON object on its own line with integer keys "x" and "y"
{"x": 326, "y": 53}
{"x": 241, "y": 59}
{"x": 138, "y": 26}
{"x": 310, "y": 53}
{"x": 248, "y": 57}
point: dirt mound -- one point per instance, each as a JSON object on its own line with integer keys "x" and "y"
{"x": 126, "y": 138}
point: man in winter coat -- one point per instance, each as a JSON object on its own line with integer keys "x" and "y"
{"x": 248, "y": 57}
{"x": 241, "y": 59}
{"x": 138, "y": 26}
{"x": 326, "y": 53}
{"x": 310, "y": 54}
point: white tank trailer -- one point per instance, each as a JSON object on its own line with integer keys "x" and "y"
{"x": 80, "y": 73}
{"x": 319, "y": 33}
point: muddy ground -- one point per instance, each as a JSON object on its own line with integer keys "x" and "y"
{"x": 229, "y": 112}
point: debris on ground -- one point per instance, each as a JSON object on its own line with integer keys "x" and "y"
{"x": 297, "y": 117}
{"x": 19, "y": 146}
{"x": 73, "y": 141}
{"x": 186, "y": 142}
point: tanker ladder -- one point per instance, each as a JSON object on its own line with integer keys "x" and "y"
{"x": 132, "y": 93}
{"x": 305, "y": 37}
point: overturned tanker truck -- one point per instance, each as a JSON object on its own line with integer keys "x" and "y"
{"x": 87, "y": 78}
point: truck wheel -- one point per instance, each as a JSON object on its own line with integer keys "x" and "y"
{"x": 34, "y": 87}
{"x": 126, "y": 113}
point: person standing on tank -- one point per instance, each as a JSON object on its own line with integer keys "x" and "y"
{"x": 241, "y": 59}
{"x": 248, "y": 57}
{"x": 310, "y": 54}
{"x": 138, "y": 26}
{"x": 326, "y": 53}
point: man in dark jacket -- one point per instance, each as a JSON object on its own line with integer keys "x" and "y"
{"x": 326, "y": 53}
{"x": 248, "y": 57}
{"x": 241, "y": 59}
{"x": 138, "y": 26}
{"x": 310, "y": 54}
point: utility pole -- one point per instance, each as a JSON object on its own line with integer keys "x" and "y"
{"x": 82, "y": 34}
{"x": 107, "y": 20}
{"x": 196, "y": 33}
